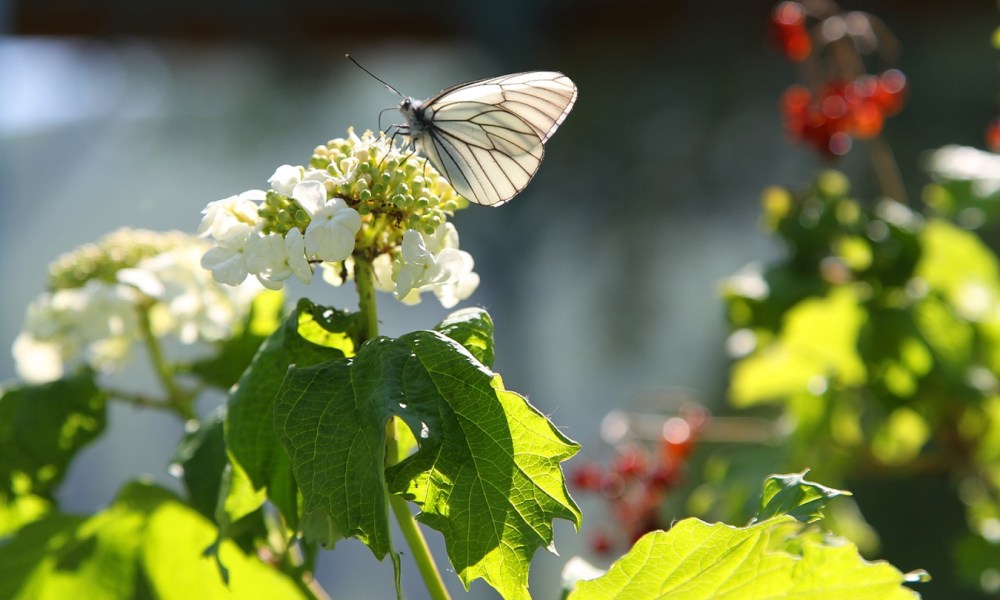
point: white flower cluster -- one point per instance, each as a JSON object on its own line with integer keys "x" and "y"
{"x": 246, "y": 247}
{"x": 428, "y": 263}
{"x": 359, "y": 197}
{"x": 98, "y": 322}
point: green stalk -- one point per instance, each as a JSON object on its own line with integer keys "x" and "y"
{"x": 177, "y": 399}
{"x": 364, "y": 278}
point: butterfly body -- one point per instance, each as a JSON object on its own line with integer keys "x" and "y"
{"x": 488, "y": 137}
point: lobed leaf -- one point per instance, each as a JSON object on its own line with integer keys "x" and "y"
{"x": 486, "y": 472}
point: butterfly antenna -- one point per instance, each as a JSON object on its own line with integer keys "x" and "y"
{"x": 376, "y": 77}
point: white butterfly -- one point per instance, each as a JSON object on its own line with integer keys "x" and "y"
{"x": 488, "y": 137}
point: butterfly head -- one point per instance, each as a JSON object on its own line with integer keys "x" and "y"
{"x": 413, "y": 111}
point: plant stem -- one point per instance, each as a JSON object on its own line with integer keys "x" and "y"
{"x": 364, "y": 279}
{"x": 418, "y": 546}
{"x": 886, "y": 170}
{"x": 177, "y": 399}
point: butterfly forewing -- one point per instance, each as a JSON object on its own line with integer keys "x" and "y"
{"x": 487, "y": 137}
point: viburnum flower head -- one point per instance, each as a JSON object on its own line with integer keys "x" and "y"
{"x": 101, "y": 297}
{"x": 358, "y": 198}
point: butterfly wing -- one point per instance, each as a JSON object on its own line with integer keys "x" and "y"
{"x": 488, "y": 136}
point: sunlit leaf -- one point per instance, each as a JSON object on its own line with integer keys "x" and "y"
{"x": 699, "y": 561}
{"x": 145, "y": 545}
{"x": 793, "y": 495}
{"x": 486, "y": 473}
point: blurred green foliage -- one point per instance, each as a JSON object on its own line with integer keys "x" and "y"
{"x": 877, "y": 341}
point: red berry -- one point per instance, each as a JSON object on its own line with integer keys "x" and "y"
{"x": 866, "y": 120}
{"x": 993, "y": 135}
{"x": 891, "y": 91}
{"x": 612, "y": 485}
{"x": 630, "y": 462}
{"x": 789, "y": 31}
{"x": 587, "y": 477}
{"x": 664, "y": 476}
{"x": 600, "y": 543}
{"x": 677, "y": 442}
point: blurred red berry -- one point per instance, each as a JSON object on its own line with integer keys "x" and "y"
{"x": 587, "y": 477}
{"x": 612, "y": 485}
{"x": 664, "y": 476}
{"x": 891, "y": 91}
{"x": 866, "y": 120}
{"x": 600, "y": 543}
{"x": 788, "y": 29}
{"x": 676, "y": 442}
{"x": 993, "y": 135}
{"x": 631, "y": 462}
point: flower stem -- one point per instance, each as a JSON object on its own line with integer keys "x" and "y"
{"x": 178, "y": 400}
{"x": 364, "y": 278}
{"x": 411, "y": 531}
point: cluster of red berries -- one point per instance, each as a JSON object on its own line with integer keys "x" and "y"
{"x": 638, "y": 480}
{"x": 840, "y": 112}
{"x": 788, "y": 30}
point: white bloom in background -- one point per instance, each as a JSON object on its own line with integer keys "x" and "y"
{"x": 38, "y": 362}
{"x": 285, "y": 178}
{"x": 963, "y": 163}
{"x": 189, "y": 304}
{"x": 99, "y": 322}
{"x": 96, "y": 323}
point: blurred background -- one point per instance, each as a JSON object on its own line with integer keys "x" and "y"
{"x": 602, "y": 277}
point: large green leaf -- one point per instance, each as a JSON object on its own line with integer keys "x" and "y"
{"x": 699, "y": 561}
{"x": 486, "y": 473}
{"x": 310, "y": 335}
{"x": 43, "y": 427}
{"x": 146, "y": 545}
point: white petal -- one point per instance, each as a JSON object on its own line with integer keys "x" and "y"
{"x": 311, "y": 196}
{"x": 284, "y": 179}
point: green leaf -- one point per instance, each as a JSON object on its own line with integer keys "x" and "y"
{"x": 696, "y": 560}
{"x": 200, "y": 459}
{"x": 43, "y": 427}
{"x": 18, "y": 511}
{"x": 486, "y": 473}
{"x": 473, "y": 328}
{"x": 792, "y": 495}
{"x": 147, "y": 544}
{"x": 250, "y": 436}
{"x": 233, "y": 355}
